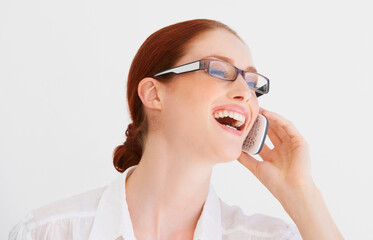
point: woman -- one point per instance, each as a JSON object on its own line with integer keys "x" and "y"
{"x": 176, "y": 138}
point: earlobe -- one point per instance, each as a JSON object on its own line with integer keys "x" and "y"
{"x": 148, "y": 91}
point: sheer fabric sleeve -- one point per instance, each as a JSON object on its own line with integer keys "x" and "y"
{"x": 19, "y": 231}
{"x": 56, "y": 228}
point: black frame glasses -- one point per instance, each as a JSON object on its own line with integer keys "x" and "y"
{"x": 204, "y": 64}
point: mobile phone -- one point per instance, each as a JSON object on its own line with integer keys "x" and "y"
{"x": 254, "y": 141}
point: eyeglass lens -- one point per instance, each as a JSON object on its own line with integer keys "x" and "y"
{"x": 228, "y": 72}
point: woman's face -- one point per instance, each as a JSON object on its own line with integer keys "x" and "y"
{"x": 191, "y": 99}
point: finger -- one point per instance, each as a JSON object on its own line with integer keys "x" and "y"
{"x": 288, "y": 127}
{"x": 275, "y": 139}
{"x": 249, "y": 162}
{"x": 272, "y": 131}
{"x": 261, "y": 110}
{"x": 277, "y": 124}
{"x": 265, "y": 152}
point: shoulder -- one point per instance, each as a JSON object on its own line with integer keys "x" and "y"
{"x": 237, "y": 225}
{"x": 57, "y": 219}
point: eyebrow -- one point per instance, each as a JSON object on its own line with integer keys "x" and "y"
{"x": 227, "y": 59}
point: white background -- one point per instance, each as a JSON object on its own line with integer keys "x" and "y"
{"x": 63, "y": 69}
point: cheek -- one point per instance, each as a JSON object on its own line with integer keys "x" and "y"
{"x": 254, "y": 104}
{"x": 254, "y": 109}
{"x": 186, "y": 102}
{"x": 191, "y": 104}
{"x": 198, "y": 91}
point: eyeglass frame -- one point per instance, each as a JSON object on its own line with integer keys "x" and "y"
{"x": 204, "y": 64}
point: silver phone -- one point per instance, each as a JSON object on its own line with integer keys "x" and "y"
{"x": 254, "y": 141}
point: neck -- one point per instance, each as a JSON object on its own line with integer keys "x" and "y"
{"x": 166, "y": 192}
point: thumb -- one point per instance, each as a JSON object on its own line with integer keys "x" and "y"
{"x": 249, "y": 162}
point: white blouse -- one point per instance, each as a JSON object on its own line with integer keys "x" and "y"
{"x": 103, "y": 213}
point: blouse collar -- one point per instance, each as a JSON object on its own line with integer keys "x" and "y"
{"x": 112, "y": 220}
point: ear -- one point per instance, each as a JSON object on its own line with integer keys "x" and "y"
{"x": 149, "y": 90}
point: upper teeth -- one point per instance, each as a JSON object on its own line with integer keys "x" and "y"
{"x": 235, "y": 115}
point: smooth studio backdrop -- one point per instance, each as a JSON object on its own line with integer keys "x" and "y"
{"x": 63, "y": 109}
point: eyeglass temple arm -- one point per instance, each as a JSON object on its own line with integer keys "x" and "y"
{"x": 189, "y": 67}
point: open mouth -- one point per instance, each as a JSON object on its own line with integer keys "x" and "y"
{"x": 233, "y": 120}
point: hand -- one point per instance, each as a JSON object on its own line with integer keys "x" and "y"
{"x": 287, "y": 166}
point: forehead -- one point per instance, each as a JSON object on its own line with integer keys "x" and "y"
{"x": 222, "y": 43}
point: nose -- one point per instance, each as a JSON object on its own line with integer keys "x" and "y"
{"x": 240, "y": 89}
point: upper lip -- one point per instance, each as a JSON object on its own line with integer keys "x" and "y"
{"x": 235, "y": 108}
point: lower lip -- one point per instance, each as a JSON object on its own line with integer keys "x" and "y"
{"x": 236, "y": 132}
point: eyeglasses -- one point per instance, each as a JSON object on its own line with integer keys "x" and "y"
{"x": 225, "y": 71}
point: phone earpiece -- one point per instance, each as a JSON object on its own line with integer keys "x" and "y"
{"x": 254, "y": 141}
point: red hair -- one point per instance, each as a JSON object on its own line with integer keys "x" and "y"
{"x": 160, "y": 51}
